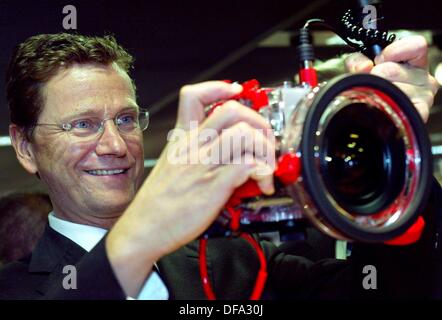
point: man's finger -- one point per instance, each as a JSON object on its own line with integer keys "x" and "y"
{"x": 357, "y": 62}
{"x": 263, "y": 175}
{"x": 396, "y": 72}
{"x": 413, "y": 50}
{"x": 238, "y": 140}
{"x": 233, "y": 112}
{"x": 421, "y": 98}
{"x": 235, "y": 175}
{"x": 194, "y": 98}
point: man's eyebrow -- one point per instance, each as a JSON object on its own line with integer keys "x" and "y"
{"x": 91, "y": 111}
{"x": 130, "y": 107}
{"x": 82, "y": 112}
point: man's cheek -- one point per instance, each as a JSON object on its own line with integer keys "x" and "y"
{"x": 75, "y": 154}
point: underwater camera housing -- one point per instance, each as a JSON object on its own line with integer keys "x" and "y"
{"x": 353, "y": 156}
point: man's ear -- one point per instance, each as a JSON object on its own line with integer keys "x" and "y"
{"x": 23, "y": 148}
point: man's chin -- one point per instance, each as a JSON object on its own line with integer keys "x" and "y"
{"x": 112, "y": 204}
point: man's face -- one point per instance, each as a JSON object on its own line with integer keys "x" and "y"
{"x": 68, "y": 165}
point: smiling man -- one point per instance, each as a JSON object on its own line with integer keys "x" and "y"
{"x": 75, "y": 122}
{"x": 86, "y": 146}
{"x": 77, "y": 125}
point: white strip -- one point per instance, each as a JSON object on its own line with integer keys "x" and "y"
{"x": 341, "y": 250}
{"x": 150, "y": 163}
{"x": 438, "y": 73}
{"x": 436, "y": 150}
{"x": 5, "y": 141}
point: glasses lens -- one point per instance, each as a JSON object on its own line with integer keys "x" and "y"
{"x": 129, "y": 121}
{"x": 143, "y": 119}
{"x": 84, "y": 127}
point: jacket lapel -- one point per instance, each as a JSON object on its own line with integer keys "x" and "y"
{"x": 52, "y": 253}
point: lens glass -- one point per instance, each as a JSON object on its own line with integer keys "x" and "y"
{"x": 362, "y": 159}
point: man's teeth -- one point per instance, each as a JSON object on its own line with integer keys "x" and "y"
{"x": 105, "y": 172}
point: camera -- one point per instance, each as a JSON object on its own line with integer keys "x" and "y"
{"x": 353, "y": 159}
{"x": 353, "y": 155}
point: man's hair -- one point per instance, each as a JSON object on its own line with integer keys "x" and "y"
{"x": 39, "y": 58}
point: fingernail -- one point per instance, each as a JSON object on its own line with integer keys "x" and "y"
{"x": 236, "y": 87}
{"x": 267, "y": 187}
{"x": 379, "y": 59}
{"x": 270, "y": 191}
{"x": 363, "y": 66}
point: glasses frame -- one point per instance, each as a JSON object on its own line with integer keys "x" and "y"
{"x": 68, "y": 127}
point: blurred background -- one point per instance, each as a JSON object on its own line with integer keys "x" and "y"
{"x": 180, "y": 42}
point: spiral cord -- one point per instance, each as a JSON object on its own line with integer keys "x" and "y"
{"x": 352, "y": 30}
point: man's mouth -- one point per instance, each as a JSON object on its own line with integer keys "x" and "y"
{"x": 106, "y": 172}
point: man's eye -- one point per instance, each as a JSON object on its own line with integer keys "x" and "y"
{"x": 126, "y": 119}
{"x": 82, "y": 124}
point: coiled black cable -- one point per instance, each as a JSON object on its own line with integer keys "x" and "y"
{"x": 354, "y": 34}
{"x": 352, "y": 29}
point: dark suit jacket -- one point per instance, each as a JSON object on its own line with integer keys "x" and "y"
{"x": 404, "y": 272}
{"x": 232, "y": 266}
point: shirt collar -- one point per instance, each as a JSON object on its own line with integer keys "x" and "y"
{"x": 85, "y": 236}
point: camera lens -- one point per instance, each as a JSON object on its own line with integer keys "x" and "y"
{"x": 366, "y": 158}
{"x": 362, "y": 159}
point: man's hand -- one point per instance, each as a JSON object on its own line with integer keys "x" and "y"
{"x": 192, "y": 180}
{"x": 206, "y": 159}
{"x": 405, "y": 63}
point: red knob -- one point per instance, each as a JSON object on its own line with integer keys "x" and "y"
{"x": 289, "y": 168}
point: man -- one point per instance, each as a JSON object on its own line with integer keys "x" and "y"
{"x": 77, "y": 125}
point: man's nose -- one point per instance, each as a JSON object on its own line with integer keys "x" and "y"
{"x": 110, "y": 141}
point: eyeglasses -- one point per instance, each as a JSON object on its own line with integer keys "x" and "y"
{"x": 127, "y": 122}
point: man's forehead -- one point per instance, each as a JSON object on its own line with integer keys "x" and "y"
{"x": 83, "y": 88}
{"x": 89, "y": 77}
